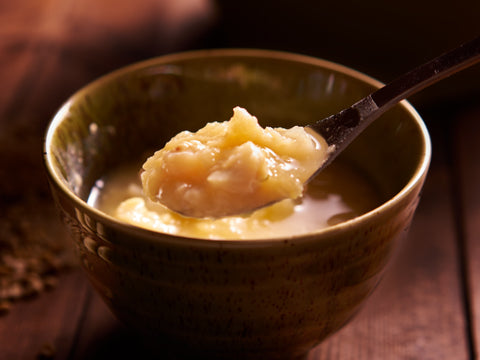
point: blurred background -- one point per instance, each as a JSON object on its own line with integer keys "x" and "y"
{"x": 381, "y": 38}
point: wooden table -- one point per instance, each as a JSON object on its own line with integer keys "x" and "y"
{"x": 427, "y": 306}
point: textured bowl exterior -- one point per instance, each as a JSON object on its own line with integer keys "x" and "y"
{"x": 276, "y": 300}
{"x": 269, "y": 299}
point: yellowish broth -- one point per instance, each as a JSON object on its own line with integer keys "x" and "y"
{"x": 337, "y": 194}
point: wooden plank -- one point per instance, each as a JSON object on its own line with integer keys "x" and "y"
{"x": 417, "y": 311}
{"x": 102, "y": 336}
{"x": 467, "y": 164}
{"x": 25, "y": 27}
{"x": 48, "y": 321}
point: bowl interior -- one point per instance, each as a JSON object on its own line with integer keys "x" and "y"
{"x": 126, "y": 115}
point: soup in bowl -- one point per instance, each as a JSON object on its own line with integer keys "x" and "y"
{"x": 268, "y": 284}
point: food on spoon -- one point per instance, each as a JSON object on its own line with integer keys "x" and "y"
{"x": 232, "y": 167}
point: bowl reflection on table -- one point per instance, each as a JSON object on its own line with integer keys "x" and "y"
{"x": 269, "y": 298}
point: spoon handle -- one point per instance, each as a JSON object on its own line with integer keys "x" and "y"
{"x": 340, "y": 129}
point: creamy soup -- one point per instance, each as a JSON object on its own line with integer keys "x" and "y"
{"x": 337, "y": 194}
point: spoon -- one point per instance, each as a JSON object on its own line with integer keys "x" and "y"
{"x": 341, "y": 129}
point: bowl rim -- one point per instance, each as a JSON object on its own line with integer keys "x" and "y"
{"x": 153, "y": 236}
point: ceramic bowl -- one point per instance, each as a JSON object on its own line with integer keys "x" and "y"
{"x": 272, "y": 298}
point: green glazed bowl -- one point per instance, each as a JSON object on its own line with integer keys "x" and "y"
{"x": 272, "y": 298}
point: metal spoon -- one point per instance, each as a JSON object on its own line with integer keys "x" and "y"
{"x": 341, "y": 129}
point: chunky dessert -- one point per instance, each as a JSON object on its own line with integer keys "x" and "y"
{"x": 232, "y": 167}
